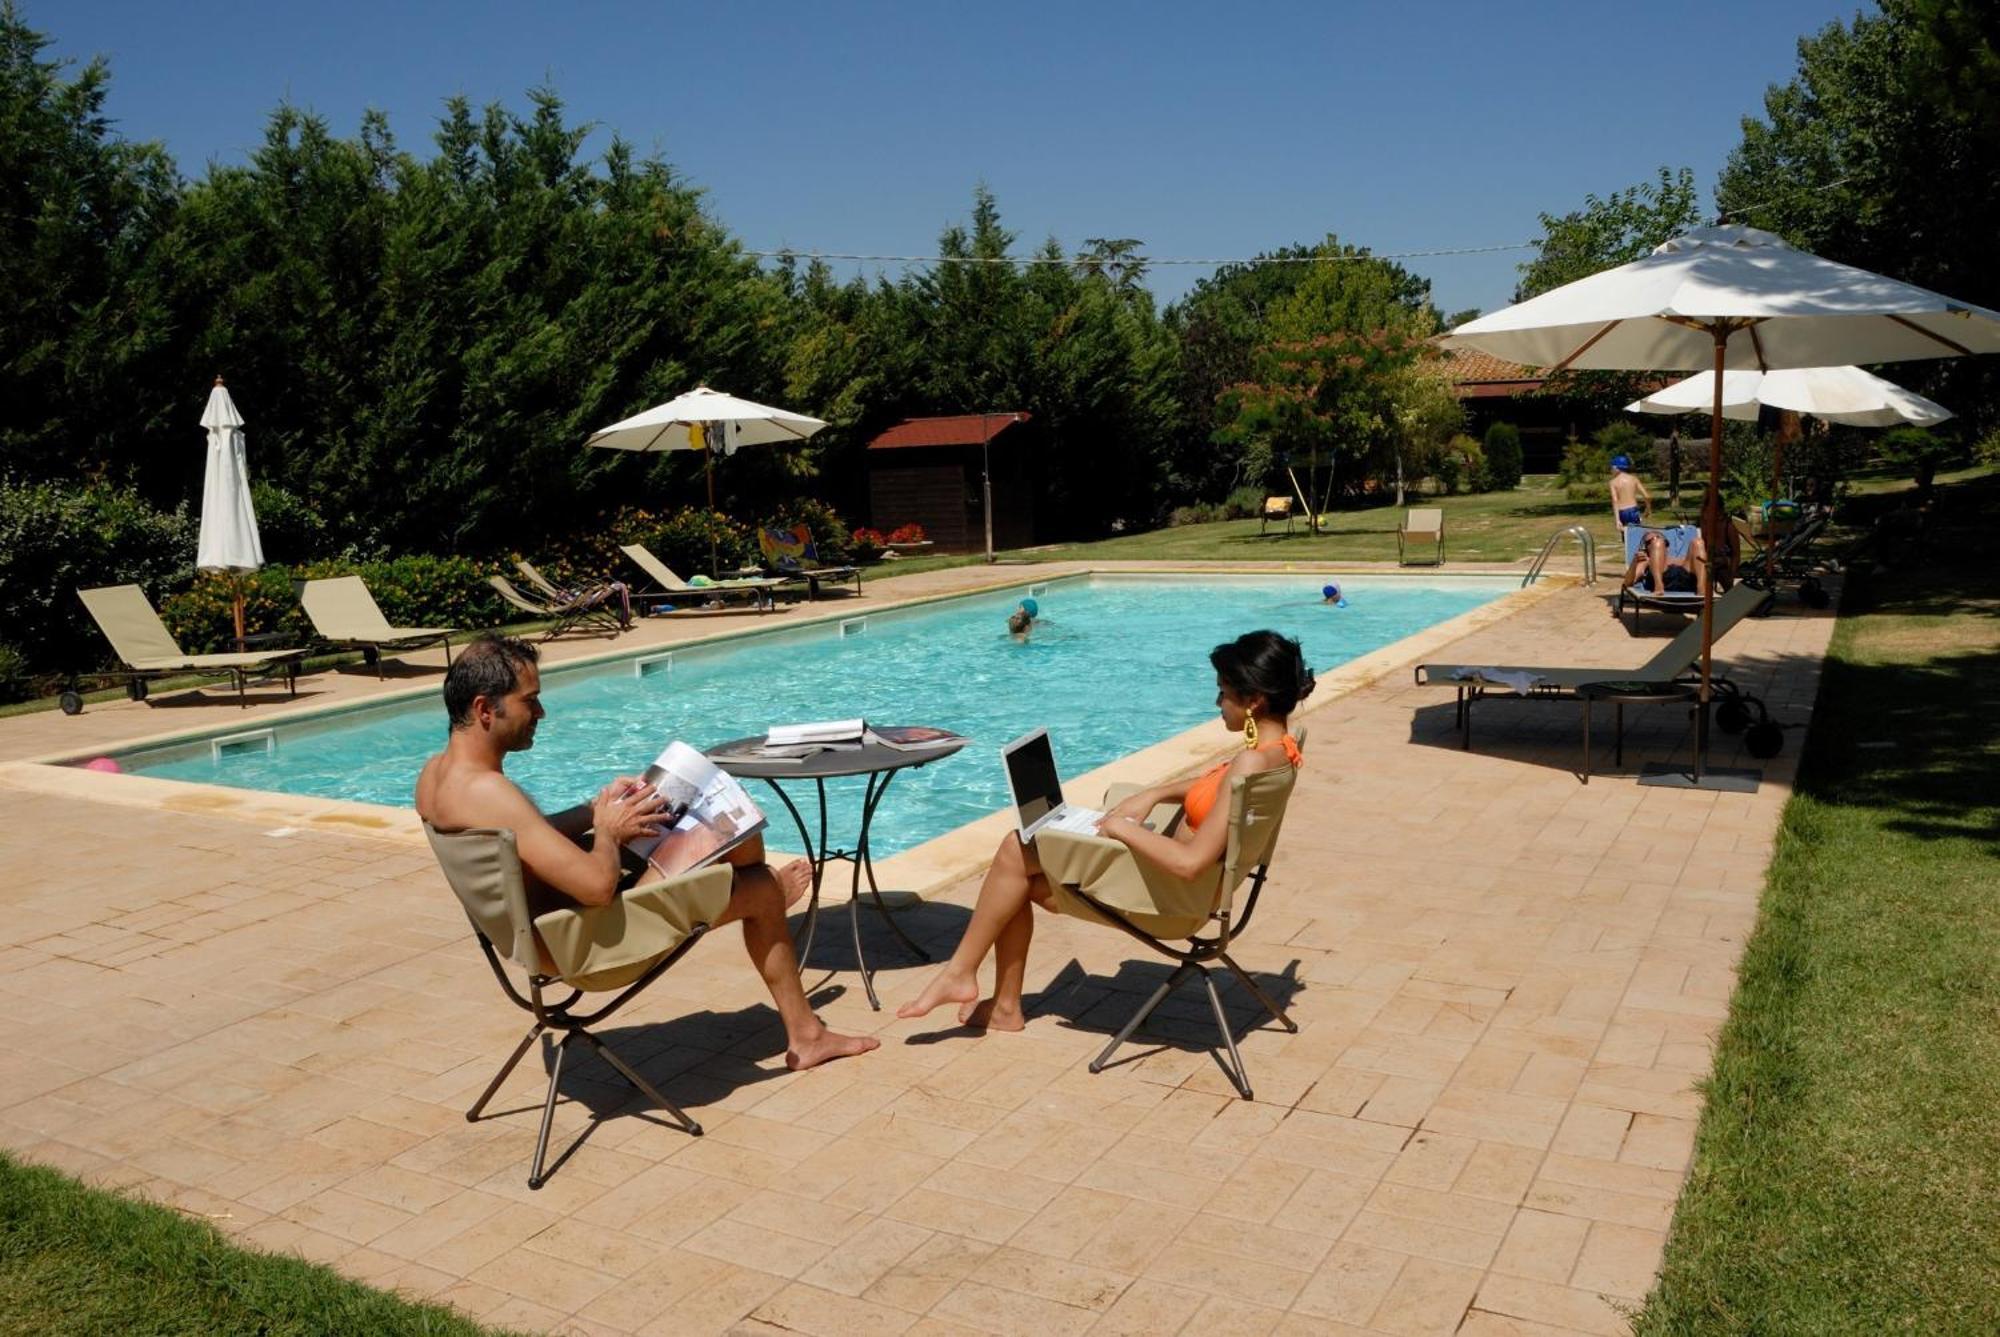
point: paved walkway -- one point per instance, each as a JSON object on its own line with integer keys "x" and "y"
{"x": 1506, "y": 983}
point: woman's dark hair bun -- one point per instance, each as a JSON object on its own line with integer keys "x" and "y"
{"x": 1266, "y": 664}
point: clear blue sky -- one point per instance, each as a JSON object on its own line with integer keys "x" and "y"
{"x": 1204, "y": 130}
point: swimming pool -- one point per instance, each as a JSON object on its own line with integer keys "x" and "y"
{"x": 1117, "y": 663}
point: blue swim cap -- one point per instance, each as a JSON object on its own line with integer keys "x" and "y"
{"x": 1031, "y": 608}
{"x": 1621, "y": 461}
{"x": 1329, "y": 591}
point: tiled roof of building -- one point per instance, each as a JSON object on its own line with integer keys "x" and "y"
{"x": 1475, "y": 374}
{"x": 962, "y": 429}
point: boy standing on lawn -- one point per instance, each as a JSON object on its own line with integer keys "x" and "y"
{"x": 1630, "y": 502}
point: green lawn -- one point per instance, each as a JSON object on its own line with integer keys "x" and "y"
{"x": 1847, "y": 1169}
{"x": 77, "y": 1261}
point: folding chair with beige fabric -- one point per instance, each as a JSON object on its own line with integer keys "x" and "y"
{"x": 1098, "y": 879}
{"x": 1421, "y": 533}
{"x": 345, "y": 614}
{"x": 147, "y": 650}
{"x": 671, "y": 586}
{"x": 1276, "y": 509}
{"x": 569, "y": 616}
{"x": 623, "y": 946}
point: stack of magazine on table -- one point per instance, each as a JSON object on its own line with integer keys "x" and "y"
{"x": 796, "y": 742}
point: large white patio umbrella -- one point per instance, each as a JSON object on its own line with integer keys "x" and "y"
{"x": 1726, "y": 298}
{"x": 1846, "y": 395}
{"x": 228, "y": 540}
{"x": 706, "y": 420}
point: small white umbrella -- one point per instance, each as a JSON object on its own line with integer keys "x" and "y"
{"x": 228, "y": 540}
{"x": 706, "y": 420}
{"x": 1846, "y": 395}
{"x": 1729, "y": 297}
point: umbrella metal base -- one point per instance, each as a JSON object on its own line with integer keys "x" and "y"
{"x": 1714, "y": 779}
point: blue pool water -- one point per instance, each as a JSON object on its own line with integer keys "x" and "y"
{"x": 1117, "y": 663}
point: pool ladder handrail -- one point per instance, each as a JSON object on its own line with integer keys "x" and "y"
{"x": 1584, "y": 540}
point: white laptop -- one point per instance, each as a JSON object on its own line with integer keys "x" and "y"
{"x": 1037, "y": 790}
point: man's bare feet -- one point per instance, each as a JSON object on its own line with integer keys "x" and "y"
{"x": 942, "y": 989}
{"x": 987, "y": 1015}
{"x": 827, "y": 1046}
{"x": 795, "y": 879}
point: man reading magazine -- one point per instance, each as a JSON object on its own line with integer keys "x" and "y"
{"x": 493, "y": 695}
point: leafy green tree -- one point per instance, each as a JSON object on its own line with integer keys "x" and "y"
{"x": 1919, "y": 453}
{"x": 1503, "y": 457}
{"x": 83, "y": 349}
{"x": 1605, "y": 233}
{"x": 1883, "y": 151}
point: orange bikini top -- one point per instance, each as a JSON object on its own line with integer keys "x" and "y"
{"x": 1202, "y": 794}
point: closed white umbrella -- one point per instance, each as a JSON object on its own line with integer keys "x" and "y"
{"x": 706, "y": 420}
{"x": 1728, "y": 298}
{"x": 228, "y": 540}
{"x": 1846, "y": 395}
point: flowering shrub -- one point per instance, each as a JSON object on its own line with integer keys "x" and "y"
{"x": 907, "y": 534}
{"x": 415, "y": 591}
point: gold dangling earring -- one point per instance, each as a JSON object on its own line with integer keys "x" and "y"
{"x": 1250, "y": 731}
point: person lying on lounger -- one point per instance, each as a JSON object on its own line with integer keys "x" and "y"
{"x": 1665, "y": 573}
{"x": 1260, "y": 678}
{"x": 577, "y": 856}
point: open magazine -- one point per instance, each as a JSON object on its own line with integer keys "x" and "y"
{"x": 712, "y": 815}
{"x": 796, "y": 742}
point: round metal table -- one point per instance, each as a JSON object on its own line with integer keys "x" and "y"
{"x": 1623, "y": 694}
{"x": 880, "y": 764}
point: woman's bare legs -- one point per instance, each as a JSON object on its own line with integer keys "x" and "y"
{"x": 1002, "y": 1012}
{"x": 999, "y": 919}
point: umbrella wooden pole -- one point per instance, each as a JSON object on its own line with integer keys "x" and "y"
{"x": 714, "y": 567}
{"x": 236, "y": 587}
{"x": 1711, "y": 529}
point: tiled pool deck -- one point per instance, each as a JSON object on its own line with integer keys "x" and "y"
{"x": 1506, "y": 982}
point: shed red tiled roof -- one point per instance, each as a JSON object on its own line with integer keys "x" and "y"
{"x": 1476, "y": 375}
{"x": 963, "y": 429}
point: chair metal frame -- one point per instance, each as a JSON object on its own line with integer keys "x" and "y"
{"x": 1195, "y": 961}
{"x": 561, "y": 1016}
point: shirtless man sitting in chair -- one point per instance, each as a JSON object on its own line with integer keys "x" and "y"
{"x": 1666, "y": 574}
{"x": 493, "y": 694}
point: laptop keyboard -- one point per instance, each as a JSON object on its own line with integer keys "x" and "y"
{"x": 1082, "y": 821}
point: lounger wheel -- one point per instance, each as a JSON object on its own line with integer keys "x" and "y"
{"x": 1764, "y": 740}
{"x": 136, "y": 689}
{"x": 1732, "y": 716}
{"x": 370, "y": 655}
{"x": 71, "y": 702}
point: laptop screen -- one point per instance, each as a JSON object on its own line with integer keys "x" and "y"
{"x": 1031, "y": 773}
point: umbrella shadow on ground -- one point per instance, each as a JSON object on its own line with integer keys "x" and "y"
{"x": 696, "y": 1060}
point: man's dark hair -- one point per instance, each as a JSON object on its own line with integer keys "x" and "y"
{"x": 1266, "y": 664}
{"x": 489, "y": 667}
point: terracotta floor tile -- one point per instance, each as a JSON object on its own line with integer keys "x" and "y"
{"x": 1508, "y": 987}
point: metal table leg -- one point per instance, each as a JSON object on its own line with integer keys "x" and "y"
{"x": 1586, "y": 738}
{"x": 814, "y": 856}
{"x": 1618, "y": 746}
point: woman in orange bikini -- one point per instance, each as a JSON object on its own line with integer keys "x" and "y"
{"x": 1260, "y": 679}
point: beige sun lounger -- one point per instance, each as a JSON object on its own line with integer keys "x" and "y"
{"x": 146, "y": 648}
{"x": 1475, "y": 682}
{"x": 671, "y": 585}
{"x": 344, "y": 613}
{"x": 569, "y": 616}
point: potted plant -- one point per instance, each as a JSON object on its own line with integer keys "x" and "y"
{"x": 868, "y": 544}
{"x": 907, "y": 538}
